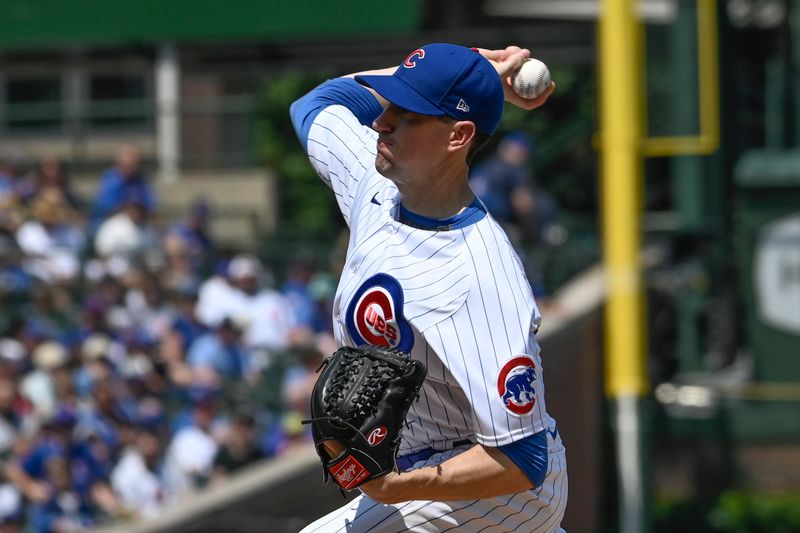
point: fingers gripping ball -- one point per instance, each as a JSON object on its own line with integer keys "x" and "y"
{"x": 531, "y": 79}
{"x": 361, "y": 400}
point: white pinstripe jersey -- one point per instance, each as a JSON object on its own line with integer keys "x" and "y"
{"x": 458, "y": 300}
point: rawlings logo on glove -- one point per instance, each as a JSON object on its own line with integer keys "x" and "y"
{"x": 376, "y": 436}
{"x": 360, "y": 401}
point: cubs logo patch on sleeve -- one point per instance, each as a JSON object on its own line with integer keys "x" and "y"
{"x": 515, "y": 385}
{"x": 375, "y": 315}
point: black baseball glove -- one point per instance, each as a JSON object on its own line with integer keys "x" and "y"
{"x": 361, "y": 399}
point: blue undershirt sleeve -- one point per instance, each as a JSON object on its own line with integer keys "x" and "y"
{"x": 339, "y": 91}
{"x": 530, "y": 455}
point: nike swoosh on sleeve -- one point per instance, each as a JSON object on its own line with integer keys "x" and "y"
{"x": 375, "y": 199}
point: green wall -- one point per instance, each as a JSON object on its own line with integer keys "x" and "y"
{"x": 47, "y": 23}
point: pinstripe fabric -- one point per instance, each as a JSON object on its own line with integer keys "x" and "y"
{"x": 460, "y": 300}
{"x": 534, "y": 511}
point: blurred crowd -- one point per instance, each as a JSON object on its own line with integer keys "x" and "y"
{"x": 139, "y": 361}
{"x": 506, "y": 184}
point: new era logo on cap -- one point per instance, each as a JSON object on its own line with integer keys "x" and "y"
{"x": 445, "y": 79}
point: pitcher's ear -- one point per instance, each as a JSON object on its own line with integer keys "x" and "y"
{"x": 461, "y": 135}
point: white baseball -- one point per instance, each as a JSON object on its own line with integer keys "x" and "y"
{"x": 531, "y": 79}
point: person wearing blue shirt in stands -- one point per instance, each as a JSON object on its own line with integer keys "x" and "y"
{"x": 219, "y": 355}
{"x": 504, "y": 183}
{"x": 119, "y": 183}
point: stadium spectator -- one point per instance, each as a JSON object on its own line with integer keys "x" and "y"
{"x": 11, "y": 205}
{"x": 143, "y": 379}
{"x": 135, "y": 478}
{"x": 61, "y": 507}
{"x": 238, "y": 448}
{"x": 189, "y": 459}
{"x": 243, "y": 293}
{"x": 220, "y": 355}
{"x": 268, "y": 313}
{"x": 15, "y": 281}
{"x": 128, "y": 233}
{"x": 12, "y": 509}
{"x": 147, "y": 304}
{"x": 48, "y": 313}
{"x": 95, "y": 365}
{"x": 106, "y": 309}
{"x": 190, "y": 239}
{"x": 300, "y": 377}
{"x": 39, "y": 386}
{"x": 182, "y": 333}
{"x": 16, "y": 420}
{"x": 186, "y": 326}
{"x": 119, "y": 183}
{"x": 10, "y": 175}
{"x": 219, "y": 296}
{"x": 55, "y": 465}
{"x": 297, "y": 291}
{"x": 109, "y": 408}
{"x": 52, "y": 238}
{"x": 51, "y": 176}
{"x": 504, "y": 183}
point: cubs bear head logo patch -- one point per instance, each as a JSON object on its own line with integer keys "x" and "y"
{"x": 515, "y": 385}
{"x": 375, "y": 315}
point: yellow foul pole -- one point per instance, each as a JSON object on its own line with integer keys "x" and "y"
{"x": 621, "y": 169}
{"x": 620, "y": 141}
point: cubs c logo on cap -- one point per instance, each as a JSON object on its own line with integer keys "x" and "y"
{"x": 375, "y": 315}
{"x": 515, "y": 385}
{"x": 410, "y": 61}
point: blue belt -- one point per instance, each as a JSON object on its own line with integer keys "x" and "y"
{"x": 404, "y": 462}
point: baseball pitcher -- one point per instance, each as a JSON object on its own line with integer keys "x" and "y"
{"x": 430, "y": 277}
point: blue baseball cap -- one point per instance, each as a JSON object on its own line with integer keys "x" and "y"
{"x": 444, "y": 79}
